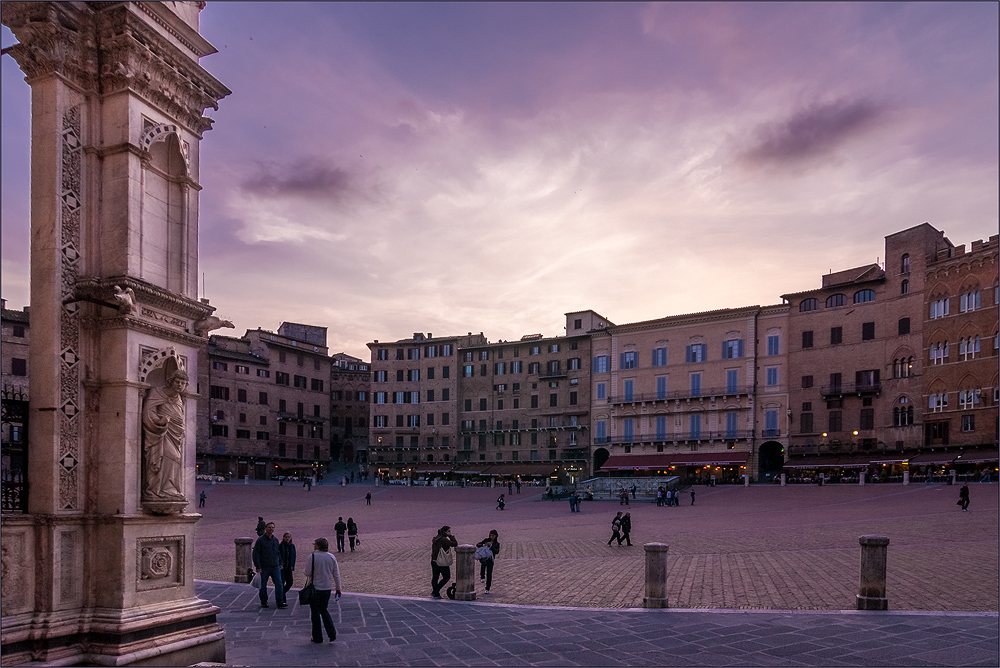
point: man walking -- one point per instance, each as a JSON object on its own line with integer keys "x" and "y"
{"x": 368, "y": 499}
{"x": 517, "y": 484}
{"x": 692, "y": 497}
{"x": 616, "y": 529}
{"x": 201, "y": 499}
{"x": 341, "y": 529}
{"x": 626, "y": 529}
{"x": 267, "y": 562}
{"x": 963, "y": 497}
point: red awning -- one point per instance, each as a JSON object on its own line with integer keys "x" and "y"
{"x": 978, "y": 456}
{"x": 637, "y": 462}
{"x": 933, "y": 458}
{"x": 711, "y": 458}
{"x": 812, "y": 463}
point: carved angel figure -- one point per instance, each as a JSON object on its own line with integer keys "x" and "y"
{"x": 125, "y": 300}
{"x": 206, "y": 325}
{"x": 164, "y": 427}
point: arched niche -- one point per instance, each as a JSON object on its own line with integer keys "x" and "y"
{"x": 165, "y": 211}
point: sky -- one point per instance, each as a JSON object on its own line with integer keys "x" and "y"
{"x": 385, "y": 169}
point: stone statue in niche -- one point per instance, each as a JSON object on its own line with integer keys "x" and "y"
{"x": 164, "y": 427}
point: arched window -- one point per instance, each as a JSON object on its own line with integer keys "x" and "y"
{"x": 904, "y": 287}
{"x": 902, "y": 415}
{"x": 838, "y": 299}
{"x": 904, "y": 264}
{"x": 862, "y": 296}
{"x": 810, "y": 304}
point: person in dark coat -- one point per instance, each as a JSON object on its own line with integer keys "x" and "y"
{"x": 616, "y": 529}
{"x": 352, "y": 532}
{"x": 368, "y": 499}
{"x": 626, "y": 529}
{"x": 260, "y": 526}
{"x": 486, "y": 565}
{"x": 440, "y": 546}
{"x": 963, "y": 497}
{"x": 286, "y": 548}
{"x": 341, "y": 529}
{"x": 267, "y": 562}
{"x": 692, "y": 496}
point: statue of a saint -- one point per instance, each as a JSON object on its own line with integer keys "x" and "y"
{"x": 164, "y": 427}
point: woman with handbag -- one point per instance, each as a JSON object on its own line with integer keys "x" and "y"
{"x": 441, "y": 559}
{"x": 323, "y": 574}
{"x": 486, "y": 551}
{"x": 352, "y": 532}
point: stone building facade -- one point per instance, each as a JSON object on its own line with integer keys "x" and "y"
{"x": 16, "y": 336}
{"x": 959, "y": 355}
{"x": 350, "y": 387}
{"x": 414, "y": 397}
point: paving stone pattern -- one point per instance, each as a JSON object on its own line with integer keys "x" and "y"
{"x": 396, "y": 631}
{"x": 760, "y": 547}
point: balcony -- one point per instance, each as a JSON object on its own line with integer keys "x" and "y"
{"x": 851, "y": 388}
{"x": 703, "y": 393}
{"x": 549, "y": 374}
{"x": 682, "y": 437}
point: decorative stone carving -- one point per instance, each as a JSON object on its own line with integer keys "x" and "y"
{"x": 212, "y": 322}
{"x": 12, "y": 565}
{"x": 164, "y": 430}
{"x": 125, "y": 300}
{"x": 157, "y": 563}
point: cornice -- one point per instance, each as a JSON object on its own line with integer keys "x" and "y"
{"x": 720, "y": 315}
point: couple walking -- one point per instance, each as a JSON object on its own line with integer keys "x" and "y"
{"x": 621, "y": 529}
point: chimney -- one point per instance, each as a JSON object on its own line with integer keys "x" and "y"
{"x": 4, "y": 304}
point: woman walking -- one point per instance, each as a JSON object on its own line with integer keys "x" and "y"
{"x": 352, "y": 532}
{"x": 286, "y": 548}
{"x": 486, "y": 558}
{"x": 441, "y": 559}
{"x": 500, "y": 502}
{"x": 324, "y": 574}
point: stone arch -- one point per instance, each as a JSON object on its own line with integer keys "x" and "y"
{"x": 164, "y": 361}
{"x": 939, "y": 291}
{"x": 157, "y": 133}
{"x": 601, "y": 456}
{"x": 770, "y": 459}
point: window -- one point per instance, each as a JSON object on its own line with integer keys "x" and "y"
{"x": 484, "y": 355}
{"x": 969, "y": 301}
{"x": 413, "y": 353}
{"x": 661, "y": 387}
{"x": 242, "y": 433}
{"x": 904, "y": 326}
{"x": 445, "y": 419}
{"x": 446, "y": 372}
{"x": 300, "y": 382}
{"x": 696, "y": 385}
{"x": 695, "y": 353}
{"x": 867, "y": 331}
{"x": 218, "y": 392}
{"x": 732, "y": 418}
{"x": 661, "y": 428}
{"x": 938, "y": 402}
{"x": 446, "y": 350}
{"x": 534, "y": 401}
{"x": 629, "y": 390}
{"x": 381, "y": 376}
{"x": 836, "y": 335}
{"x": 629, "y": 360}
{"x": 18, "y": 367}
{"x": 282, "y": 428}
{"x": 382, "y": 354}
{"x": 553, "y": 367}
{"x": 533, "y": 367}
{"x": 572, "y": 398}
{"x": 499, "y": 369}
{"x": 553, "y": 399}
{"x": 573, "y": 364}
{"x": 413, "y": 375}
{"x": 732, "y": 381}
{"x": 904, "y": 263}
{"x": 241, "y": 396}
{"x": 628, "y": 430}
{"x": 399, "y": 422}
{"x": 968, "y": 348}
{"x": 774, "y": 344}
{"x": 902, "y": 415}
{"x": 867, "y": 419}
{"x": 904, "y": 287}
{"x": 554, "y": 348}
{"x": 281, "y": 406}
{"x": 468, "y": 371}
{"x": 430, "y": 373}
{"x": 601, "y": 431}
{"x": 807, "y": 339}
{"x": 939, "y": 308}
{"x": 968, "y": 423}
{"x": 412, "y": 420}
{"x": 380, "y": 421}
{"x": 835, "y": 382}
{"x": 482, "y": 404}
{"x": 601, "y": 364}
{"x": 968, "y": 398}
{"x": 770, "y": 423}
{"x": 810, "y": 304}
{"x": 836, "y": 421}
{"x": 535, "y": 350}
{"x": 732, "y": 349}
{"x": 771, "y": 374}
{"x": 807, "y": 381}
{"x": 938, "y": 352}
{"x": 868, "y": 378}
{"x": 836, "y": 300}
{"x": 316, "y": 384}
{"x": 515, "y": 367}
{"x": 220, "y": 430}
{"x": 694, "y": 424}
{"x": 300, "y": 359}
{"x": 243, "y": 369}
{"x": 445, "y": 394}
{"x": 220, "y": 366}
{"x": 379, "y": 397}
{"x": 281, "y": 378}
{"x": 602, "y": 390}
{"x": 430, "y": 395}
{"x": 399, "y": 375}
{"x": 18, "y": 331}
{"x": 806, "y": 423}
{"x": 660, "y": 356}
{"x": 578, "y": 323}
{"x": 864, "y": 296}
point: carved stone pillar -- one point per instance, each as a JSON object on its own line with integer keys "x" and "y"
{"x": 104, "y": 555}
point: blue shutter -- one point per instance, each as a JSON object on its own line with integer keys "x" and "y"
{"x": 739, "y": 348}
{"x": 704, "y": 352}
{"x": 687, "y": 354}
{"x": 621, "y": 361}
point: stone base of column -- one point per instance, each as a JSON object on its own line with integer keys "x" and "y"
{"x": 654, "y": 603}
{"x": 872, "y": 603}
{"x": 179, "y": 633}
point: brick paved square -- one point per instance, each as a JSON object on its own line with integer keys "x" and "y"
{"x": 792, "y": 547}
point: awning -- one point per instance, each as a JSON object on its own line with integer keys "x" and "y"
{"x": 470, "y": 470}
{"x": 432, "y": 468}
{"x": 521, "y": 469}
{"x": 854, "y": 462}
{"x": 933, "y": 458}
{"x": 889, "y": 460}
{"x": 978, "y": 456}
{"x": 812, "y": 463}
{"x": 711, "y": 458}
{"x": 637, "y": 462}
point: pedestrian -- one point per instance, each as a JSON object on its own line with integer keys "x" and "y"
{"x": 352, "y": 532}
{"x": 323, "y": 572}
{"x": 692, "y": 496}
{"x": 287, "y": 549}
{"x": 633, "y": 491}
{"x": 517, "y": 484}
{"x": 201, "y": 499}
{"x": 352, "y": 476}
{"x": 510, "y": 487}
{"x": 341, "y": 529}
{"x": 659, "y": 496}
{"x": 500, "y": 502}
{"x": 486, "y": 558}
{"x": 442, "y": 557}
{"x": 616, "y": 529}
{"x": 572, "y": 502}
{"x": 260, "y": 526}
{"x": 368, "y": 499}
{"x": 963, "y": 497}
{"x": 621, "y": 497}
{"x": 267, "y": 562}
{"x": 626, "y": 529}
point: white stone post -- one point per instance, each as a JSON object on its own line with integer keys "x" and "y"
{"x": 746, "y": 479}
{"x": 465, "y": 573}
{"x": 656, "y": 575}
{"x": 861, "y": 478}
{"x": 906, "y": 477}
{"x": 954, "y": 476}
{"x": 782, "y": 479}
{"x": 244, "y": 560}
{"x": 871, "y": 594}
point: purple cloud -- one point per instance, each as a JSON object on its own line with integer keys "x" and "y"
{"x": 306, "y": 177}
{"x": 813, "y": 131}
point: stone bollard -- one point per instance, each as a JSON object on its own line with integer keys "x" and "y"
{"x": 656, "y": 575}
{"x": 465, "y": 573}
{"x": 244, "y": 560}
{"x": 871, "y": 595}
{"x": 746, "y": 479}
{"x": 861, "y": 478}
{"x": 782, "y": 479}
{"x": 906, "y": 477}
{"x": 954, "y": 475}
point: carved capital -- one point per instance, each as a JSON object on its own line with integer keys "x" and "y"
{"x": 53, "y": 39}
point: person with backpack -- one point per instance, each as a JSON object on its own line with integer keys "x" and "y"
{"x": 486, "y": 551}
{"x": 616, "y": 529}
{"x": 442, "y": 557}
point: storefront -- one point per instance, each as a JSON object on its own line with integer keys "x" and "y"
{"x": 690, "y": 468}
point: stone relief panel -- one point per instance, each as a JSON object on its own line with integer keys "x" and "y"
{"x": 14, "y": 590}
{"x": 159, "y": 562}
{"x": 69, "y": 400}
{"x": 70, "y": 567}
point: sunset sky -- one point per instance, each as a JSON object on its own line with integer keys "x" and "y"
{"x": 384, "y": 169}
